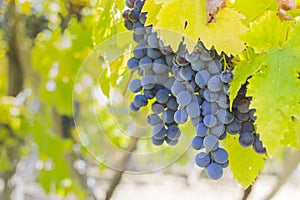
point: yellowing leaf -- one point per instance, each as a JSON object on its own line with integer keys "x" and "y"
{"x": 268, "y": 31}
{"x": 154, "y": 7}
{"x": 244, "y": 163}
{"x": 275, "y": 91}
{"x": 254, "y": 8}
{"x": 188, "y": 19}
{"x": 224, "y": 34}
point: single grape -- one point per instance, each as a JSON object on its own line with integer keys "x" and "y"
{"x": 202, "y": 130}
{"x": 140, "y": 101}
{"x": 157, "y": 108}
{"x": 148, "y": 82}
{"x": 135, "y": 86}
{"x": 214, "y": 67}
{"x": 128, "y": 24}
{"x": 145, "y": 63}
{"x": 159, "y": 66}
{"x": 137, "y": 38}
{"x": 177, "y": 87}
{"x": 159, "y": 131}
{"x": 186, "y": 73}
{"x": 138, "y": 4}
{"x": 168, "y": 116}
{"x": 202, "y": 159}
{"x": 184, "y": 98}
{"x": 223, "y": 101}
{"x": 149, "y": 94}
{"x": 134, "y": 15}
{"x": 214, "y": 171}
{"x": 172, "y": 103}
{"x": 246, "y": 139}
{"x": 157, "y": 142}
{"x": 248, "y": 127}
{"x": 214, "y": 84}
{"x": 210, "y": 121}
{"x": 162, "y": 96}
{"x": 169, "y": 60}
{"x": 133, "y": 108}
{"x": 243, "y": 106}
{"x": 220, "y": 156}
{"x": 173, "y": 132}
{"x": 234, "y": 127}
{"x": 153, "y": 40}
{"x": 180, "y": 116}
{"x": 171, "y": 142}
{"x": 153, "y": 53}
{"x": 226, "y": 76}
{"x": 133, "y": 64}
{"x": 210, "y": 142}
{"x": 258, "y": 146}
{"x": 202, "y": 78}
{"x": 193, "y": 110}
{"x": 197, "y": 143}
{"x": 198, "y": 65}
{"x": 153, "y": 119}
{"x": 218, "y": 130}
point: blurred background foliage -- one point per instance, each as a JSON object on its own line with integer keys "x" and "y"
{"x": 42, "y": 46}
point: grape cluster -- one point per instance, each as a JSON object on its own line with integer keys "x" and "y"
{"x": 152, "y": 61}
{"x": 243, "y": 123}
{"x": 182, "y": 85}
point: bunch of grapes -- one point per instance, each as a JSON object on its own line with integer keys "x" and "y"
{"x": 187, "y": 85}
{"x": 152, "y": 61}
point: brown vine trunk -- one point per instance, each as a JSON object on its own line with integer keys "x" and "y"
{"x": 118, "y": 174}
{"x": 15, "y": 86}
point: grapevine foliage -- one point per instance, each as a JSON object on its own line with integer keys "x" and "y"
{"x": 266, "y": 63}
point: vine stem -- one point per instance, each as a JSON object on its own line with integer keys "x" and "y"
{"x": 127, "y": 84}
{"x": 124, "y": 162}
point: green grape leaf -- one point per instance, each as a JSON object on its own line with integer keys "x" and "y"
{"x": 248, "y": 65}
{"x": 266, "y": 32}
{"x": 188, "y": 19}
{"x": 244, "y": 163}
{"x": 255, "y": 8}
{"x": 277, "y": 86}
{"x": 292, "y": 136}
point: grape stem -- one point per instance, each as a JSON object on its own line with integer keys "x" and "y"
{"x": 127, "y": 84}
